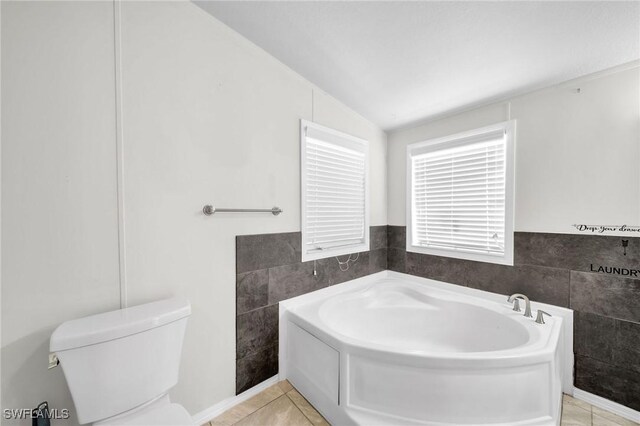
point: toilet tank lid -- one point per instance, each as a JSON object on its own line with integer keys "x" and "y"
{"x": 116, "y": 324}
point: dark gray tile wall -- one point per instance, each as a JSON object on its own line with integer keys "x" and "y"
{"x": 557, "y": 269}
{"x": 574, "y": 252}
{"x": 256, "y": 367}
{"x": 606, "y": 295}
{"x": 608, "y": 380}
{"x": 396, "y": 254}
{"x": 269, "y": 269}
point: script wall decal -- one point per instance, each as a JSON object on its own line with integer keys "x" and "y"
{"x": 600, "y": 229}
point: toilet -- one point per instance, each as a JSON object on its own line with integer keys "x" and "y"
{"x": 120, "y": 365}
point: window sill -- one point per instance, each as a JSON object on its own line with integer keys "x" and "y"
{"x": 506, "y": 259}
{"x": 341, "y": 251}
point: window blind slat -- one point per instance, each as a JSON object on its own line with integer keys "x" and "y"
{"x": 334, "y": 224}
{"x": 336, "y": 171}
{"x": 487, "y": 153}
{"x": 334, "y": 237}
{"x": 327, "y": 245}
{"x": 465, "y": 151}
{"x": 323, "y": 192}
{"x": 447, "y": 171}
{"x": 461, "y": 185}
{"x": 334, "y": 149}
{"x": 335, "y": 182}
{"x": 471, "y": 161}
{"x": 333, "y": 162}
{"x": 318, "y": 155}
{"x": 481, "y": 175}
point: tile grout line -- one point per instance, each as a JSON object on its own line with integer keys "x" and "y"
{"x": 297, "y": 408}
{"x": 569, "y": 299}
{"x": 284, "y": 394}
{"x": 296, "y": 405}
{"x": 255, "y": 309}
{"x": 257, "y": 408}
{"x": 262, "y": 406}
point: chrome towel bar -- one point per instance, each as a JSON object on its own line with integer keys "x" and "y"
{"x": 209, "y": 210}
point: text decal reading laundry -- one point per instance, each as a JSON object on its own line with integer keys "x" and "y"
{"x": 615, "y": 271}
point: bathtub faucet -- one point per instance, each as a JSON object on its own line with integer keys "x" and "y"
{"x": 516, "y": 304}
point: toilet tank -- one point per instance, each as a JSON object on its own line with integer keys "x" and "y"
{"x": 119, "y": 360}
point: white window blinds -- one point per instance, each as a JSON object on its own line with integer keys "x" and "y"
{"x": 459, "y": 196}
{"x": 334, "y": 192}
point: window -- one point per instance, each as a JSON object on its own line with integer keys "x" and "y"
{"x": 460, "y": 195}
{"x": 335, "y": 193}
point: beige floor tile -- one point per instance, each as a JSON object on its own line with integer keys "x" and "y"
{"x": 281, "y": 412}
{"x": 240, "y": 411}
{"x": 601, "y": 421}
{"x": 306, "y": 408}
{"x": 572, "y": 415}
{"x": 285, "y": 386}
{"x": 568, "y": 399}
{"x": 612, "y": 418}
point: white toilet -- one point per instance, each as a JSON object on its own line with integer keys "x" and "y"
{"x": 121, "y": 365}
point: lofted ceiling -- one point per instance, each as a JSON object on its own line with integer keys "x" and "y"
{"x": 399, "y": 63}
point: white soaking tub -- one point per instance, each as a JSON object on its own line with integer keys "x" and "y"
{"x": 395, "y": 349}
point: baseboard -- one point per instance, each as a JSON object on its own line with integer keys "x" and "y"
{"x": 215, "y": 410}
{"x": 605, "y": 404}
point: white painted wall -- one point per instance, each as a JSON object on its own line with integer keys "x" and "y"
{"x": 59, "y": 221}
{"x": 577, "y": 154}
{"x": 207, "y": 117}
{"x": 210, "y": 118}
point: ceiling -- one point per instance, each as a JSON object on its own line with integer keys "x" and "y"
{"x": 399, "y": 63}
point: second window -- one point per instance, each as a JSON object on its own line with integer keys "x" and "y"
{"x": 460, "y": 195}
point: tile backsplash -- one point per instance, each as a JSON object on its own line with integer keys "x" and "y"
{"x": 549, "y": 268}
{"x": 558, "y": 269}
{"x": 269, "y": 269}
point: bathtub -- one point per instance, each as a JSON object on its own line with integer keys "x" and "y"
{"x": 395, "y": 349}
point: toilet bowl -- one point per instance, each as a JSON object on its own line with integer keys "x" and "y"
{"x": 120, "y": 365}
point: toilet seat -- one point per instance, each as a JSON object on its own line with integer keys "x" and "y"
{"x": 163, "y": 415}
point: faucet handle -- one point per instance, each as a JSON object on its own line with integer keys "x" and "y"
{"x": 516, "y": 305}
{"x": 540, "y": 316}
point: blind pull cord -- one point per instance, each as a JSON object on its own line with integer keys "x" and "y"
{"x": 346, "y": 262}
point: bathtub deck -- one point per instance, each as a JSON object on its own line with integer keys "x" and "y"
{"x": 282, "y": 405}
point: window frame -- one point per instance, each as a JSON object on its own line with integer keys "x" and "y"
{"x": 509, "y": 127}
{"x": 338, "y": 251}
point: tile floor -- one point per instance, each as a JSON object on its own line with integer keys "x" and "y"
{"x": 579, "y": 413}
{"x": 278, "y": 405}
{"x": 282, "y": 405}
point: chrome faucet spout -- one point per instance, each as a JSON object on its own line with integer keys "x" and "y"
{"x": 527, "y": 308}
